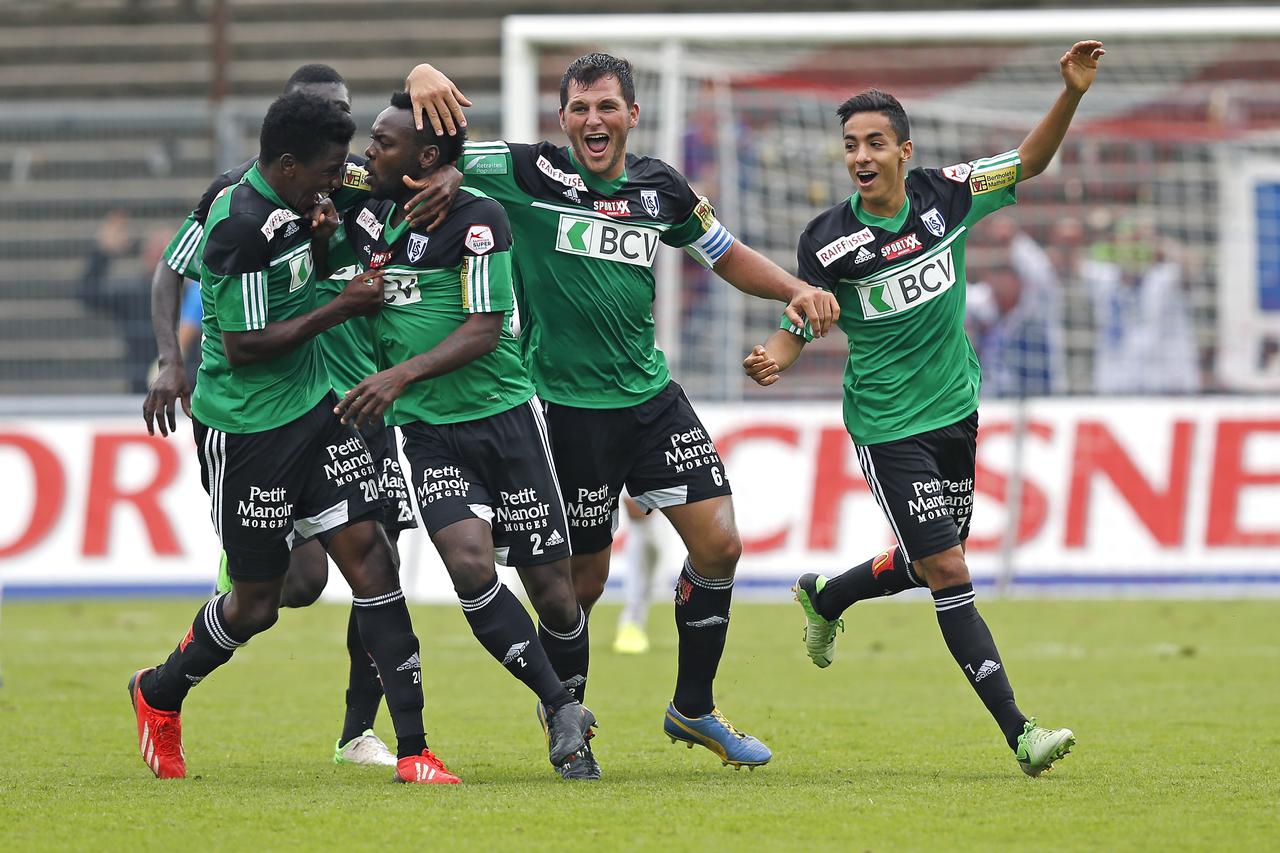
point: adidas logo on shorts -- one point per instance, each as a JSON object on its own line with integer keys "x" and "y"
{"x": 555, "y": 538}
{"x": 412, "y": 663}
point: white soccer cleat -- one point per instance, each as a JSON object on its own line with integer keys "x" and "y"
{"x": 368, "y": 749}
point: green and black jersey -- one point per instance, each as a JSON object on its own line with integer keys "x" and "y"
{"x": 433, "y": 282}
{"x": 256, "y": 269}
{"x": 346, "y": 348}
{"x": 584, "y": 258}
{"x": 183, "y": 255}
{"x": 900, "y": 283}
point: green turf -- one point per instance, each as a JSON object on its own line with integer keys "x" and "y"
{"x": 1176, "y": 706}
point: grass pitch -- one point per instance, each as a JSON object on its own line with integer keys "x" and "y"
{"x": 1176, "y": 705}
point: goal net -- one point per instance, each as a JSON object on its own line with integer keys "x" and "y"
{"x": 1146, "y": 261}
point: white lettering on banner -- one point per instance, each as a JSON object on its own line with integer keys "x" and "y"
{"x": 1177, "y": 487}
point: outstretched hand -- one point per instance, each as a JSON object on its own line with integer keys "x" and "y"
{"x": 1080, "y": 65}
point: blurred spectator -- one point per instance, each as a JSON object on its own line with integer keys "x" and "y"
{"x": 1014, "y": 321}
{"x": 124, "y": 297}
{"x": 1145, "y": 339}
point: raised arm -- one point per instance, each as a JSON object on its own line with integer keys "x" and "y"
{"x": 754, "y": 274}
{"x": 1079, "y": 67}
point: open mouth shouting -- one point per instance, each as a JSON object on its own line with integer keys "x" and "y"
{"x": 596, "y": 143}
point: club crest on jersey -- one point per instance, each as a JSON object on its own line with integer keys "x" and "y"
{"x": 278, "y": 218}
{"x": 479, "y": 239}
{"x": 649, "y": 198}
{"x": 842, "y": 246}
{"x": 902, "y": 246}
{"x": 369, "y": 223}
{"x": 933, "y": 220}
{"x": 417, "y": 247}
{"x": 958, "y": 173}
{"x": 615, "y": 207}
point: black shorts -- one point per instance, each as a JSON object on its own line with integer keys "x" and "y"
{"x": 659, "y": 450}
{"x": 268, "y": 490}
{"x": 381, "y": 440}
{"x": 497, "y": 469}
{"x": 924, "y": 485}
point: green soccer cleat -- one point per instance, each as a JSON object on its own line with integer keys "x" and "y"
{"x": 224, "y": 577}
{"x": 819, "y": 633}
{"x": 1038, "y": 748}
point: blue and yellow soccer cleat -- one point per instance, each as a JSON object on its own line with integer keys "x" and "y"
{"x": 718, "y": 735}
{"x": 224, "y": 577}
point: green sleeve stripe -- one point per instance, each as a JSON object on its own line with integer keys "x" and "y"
{"x": 478, "y": 284}
{"x": 1006, "y": 159}
{"x": 254, "y": 292}
{"x": 485, "y": 148}
{"x": 185, "y": 248}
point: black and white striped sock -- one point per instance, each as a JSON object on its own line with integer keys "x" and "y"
{"x": 207, "y": 646}
{"x": 570, "y": 654}
{"x": 387, "y": 632}
{"x": 504, "y": 628}
{"x": 973, "y": 648}
{"x": 702, "y": 623}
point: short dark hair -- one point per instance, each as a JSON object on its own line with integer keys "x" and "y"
{"x": 303, "y": 125}
{"x": 586, "y": 70}
{"x": 450, "y": 146}
{"x": 314, "y": 72}
{"x": 875, "y": 101}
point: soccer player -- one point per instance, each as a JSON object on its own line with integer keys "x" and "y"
{"x": 276, "y": 461}
{"x": 348, "y": 355}
{"x": 587, "y": 220}
{"x": 455, "y": 383}
{"x": 894, "y": 255}
{"x": 637, "y": 581}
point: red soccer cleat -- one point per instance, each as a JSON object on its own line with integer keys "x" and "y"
{"x": 424, "y": 769}
{"x": 159, "y": 734}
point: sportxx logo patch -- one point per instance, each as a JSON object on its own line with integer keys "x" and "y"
{"x": 614, "y": 207}
{"x": 908, "y": 288}
{"x": 627, "y": 244}
{"x": 902, "y": 246}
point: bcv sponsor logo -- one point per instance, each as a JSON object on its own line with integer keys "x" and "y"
{"x": 908, "y": 288}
